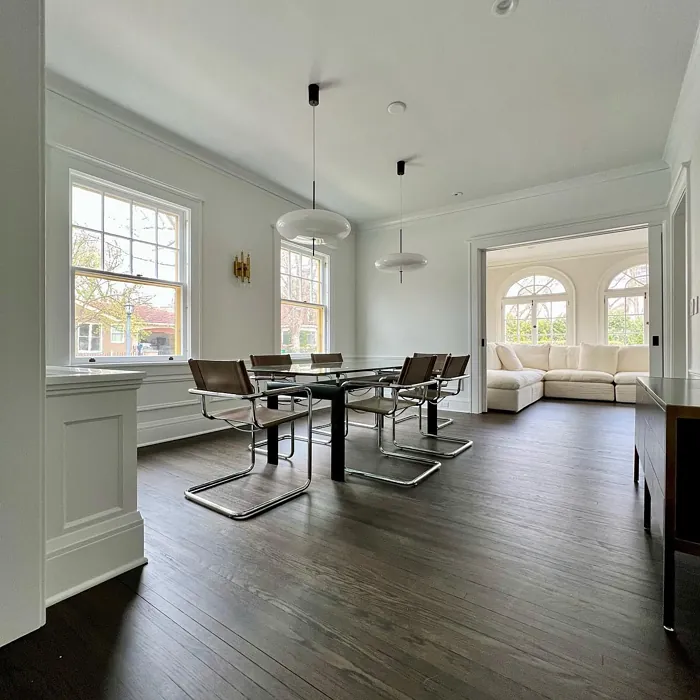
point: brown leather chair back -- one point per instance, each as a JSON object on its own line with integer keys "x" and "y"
{"x": 439, "y": 362}
{"x": 224, "y": 376}
{"x": 417, "y": 369}
{"x": 455, "y": 366}
{"x": 325, "y": 358}
{"x": 270, "y": 360}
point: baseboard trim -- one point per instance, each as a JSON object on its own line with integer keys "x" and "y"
{"x": 73, "y": 569}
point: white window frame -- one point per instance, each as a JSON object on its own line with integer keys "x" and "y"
{"x": 90, "y": 336}
{"x": 624, "y": 292}
{"x": 325, "y": 262}
{"x": 184, "y": 283}
{"x": 120, "y": 331}
{"x": 534, "y": 299}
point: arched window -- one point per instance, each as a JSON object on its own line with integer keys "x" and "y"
{"x": 535, "y": 310}
{"x": 626, "y": 308}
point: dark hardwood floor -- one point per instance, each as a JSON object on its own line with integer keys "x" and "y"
{"x": 521, "y": 570}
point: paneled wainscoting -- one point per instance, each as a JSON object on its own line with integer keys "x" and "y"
{"x": 521, "y": 570}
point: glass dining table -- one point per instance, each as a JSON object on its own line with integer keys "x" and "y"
{"x": 330, "y": 377}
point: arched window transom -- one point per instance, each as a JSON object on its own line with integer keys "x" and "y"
{"x": 626, "y": 307}
{"x": 535, "y": 311}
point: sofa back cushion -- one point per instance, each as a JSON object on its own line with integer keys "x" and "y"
{"x": 633, "y": 358}
{"x": 600, "y": 358}
{"x": 563, "y": 357}
{"x": 492, "y": 361}
{"x": 533, "y": 356}
{"x": 508, "y": 358}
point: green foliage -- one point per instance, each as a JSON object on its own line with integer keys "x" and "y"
{"x": 548, "y": 331}
{"x": 625, "y": 330}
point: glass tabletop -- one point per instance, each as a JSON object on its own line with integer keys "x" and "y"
{"x": 306, "y": 368}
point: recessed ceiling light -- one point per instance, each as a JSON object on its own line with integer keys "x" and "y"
{"x": 396, "y": 108}
{"x": 501, "y": 8}
{"x": 457, "y": 194}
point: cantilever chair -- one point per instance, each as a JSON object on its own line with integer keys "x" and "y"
{"x": 326, "y": 358}
{"x": 330, "y": 358}
{"x": 283, "y": 360}
{"x": 415, "y": 377}
{"x": 439, "y": 366}
{"x": 453, "y": 370}
{"x": 229, "y": 379}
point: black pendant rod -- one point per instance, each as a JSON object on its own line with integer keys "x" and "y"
{"x": 400, "y": 170}
{"x": 313, "y": 101}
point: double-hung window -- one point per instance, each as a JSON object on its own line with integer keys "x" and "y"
{"x": 129, "y": 274}
{"x": 304, "y": 300}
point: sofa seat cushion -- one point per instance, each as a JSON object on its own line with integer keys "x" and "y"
{"x": 629, "y": 377}
{"x": 578, "y": 375}
{"x": 506, "y": 379}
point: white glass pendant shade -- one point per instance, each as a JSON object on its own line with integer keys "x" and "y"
{"x": 313, "y": 223}
{"x": 401, "y": 262}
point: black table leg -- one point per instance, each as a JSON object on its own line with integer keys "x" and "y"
{"x": 636, "y": 466}
{"x": 273, "y": 435}
{"x": 669, "y": 567}
{"x": 647, "y": 507}
{"x": 432, "y": 418}
{"x": 338, "y": 436}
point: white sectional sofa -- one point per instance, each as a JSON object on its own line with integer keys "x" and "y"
{"x": 518, "y": 375}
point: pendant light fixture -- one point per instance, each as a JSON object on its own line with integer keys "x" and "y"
{"x": 401, "y": 262}
{"x": 313, "y": 226}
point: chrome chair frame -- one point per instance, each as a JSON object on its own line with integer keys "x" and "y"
{"x": 260, "y": 444}
{"x": 464, "y": 445}
{"x": 395, "y": 388}
{"x": 438, "y": 396}
{"x": 192, "y": 493}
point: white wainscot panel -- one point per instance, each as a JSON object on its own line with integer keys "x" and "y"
{"x": 93, "y": 528}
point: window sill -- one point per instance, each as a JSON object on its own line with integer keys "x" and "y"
{"x": 170, "y": 367}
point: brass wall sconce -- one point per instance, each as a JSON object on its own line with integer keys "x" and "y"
{"x": 241, "y": 268}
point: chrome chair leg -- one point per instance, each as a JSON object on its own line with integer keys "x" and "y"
{"x": 464, "y": 445}
{"x": 442, "y": 423}
{"x": 193, "y": 493}
{"x": 433, "y": 465}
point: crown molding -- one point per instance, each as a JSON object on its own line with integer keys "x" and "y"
{"x": 630, "y": 171}
{"x": 145, "y": 128}
{"x": 684, "y": 130}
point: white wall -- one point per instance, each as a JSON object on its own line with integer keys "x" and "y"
{"x": 236, "y": 319}
{"x": 22, "y": 316}
{"x": 588, "y": 274}
{"x": 683, "y": 146}
{"x": 431, "y": 310}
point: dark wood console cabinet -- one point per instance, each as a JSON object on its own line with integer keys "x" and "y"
{"x": 667, "y": 449}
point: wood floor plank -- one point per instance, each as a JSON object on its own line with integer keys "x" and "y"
{"x": 520, "y": 570}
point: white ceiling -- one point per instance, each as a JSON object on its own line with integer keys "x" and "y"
{"x": 557, "y": 90}
{"x": 619, "y": 241}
